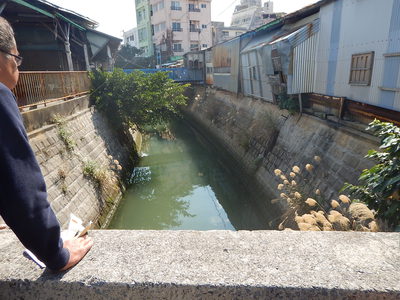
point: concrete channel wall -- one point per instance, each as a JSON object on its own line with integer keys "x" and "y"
{"x": 262, "y": 138}
{"x": 92, "y": 142}
{"x": 214, "y": 265}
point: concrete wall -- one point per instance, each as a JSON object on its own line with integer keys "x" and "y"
{"x": 214, "y": 265}
{"x": 262, "y": 138}
{"x": 69, "y": 191}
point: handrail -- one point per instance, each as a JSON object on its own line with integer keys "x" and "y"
{"x": 42, "y": 87}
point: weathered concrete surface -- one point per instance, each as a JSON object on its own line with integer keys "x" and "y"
{"x": 261, "y": 138}
{"x": 214, "y": 265}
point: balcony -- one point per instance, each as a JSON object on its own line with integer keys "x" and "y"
{"x": 177, "y": 29}
{"x": 194, "y": 9}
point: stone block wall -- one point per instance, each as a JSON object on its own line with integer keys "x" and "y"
{"x": 262, "y": 138}
{"x": 69, "y": 190}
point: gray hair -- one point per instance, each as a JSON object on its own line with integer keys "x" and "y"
{"x": 7, "y": 41}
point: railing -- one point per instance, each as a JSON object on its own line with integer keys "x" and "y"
{"x": 176, "y": 74}
{"x": 35, "y": 88}
{"x": 176, "y": 8}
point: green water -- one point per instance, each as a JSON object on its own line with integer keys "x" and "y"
{"x": 181, "y": 184}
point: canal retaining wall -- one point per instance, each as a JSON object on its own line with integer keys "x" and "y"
{"x": 214, "y": 265}
{"x": 261, "y": 138}
{"x": 82, "y": 159}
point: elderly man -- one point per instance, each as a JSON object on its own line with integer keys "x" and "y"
{"x": 23, "y": 198}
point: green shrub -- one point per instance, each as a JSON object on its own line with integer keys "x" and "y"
{"x": 380, "y": 185}
{"x": 288, "y": 102}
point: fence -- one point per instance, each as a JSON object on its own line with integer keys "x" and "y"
{"x": 35, "y": 88}
{"x": 176, "y": 74}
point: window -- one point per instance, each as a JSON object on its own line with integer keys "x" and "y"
{"x": 361, "y": 68}
{"x": 204, "y": 6}
{"x": 193, "y": 8}
{"x": 225, "y": 33}
{"x": 176, "y": 5}
{"x": 194, "y": 26}
{"x": 142, "y": 34}
{"x": 158, "y": 6}
{"x": 177, "y": 47}
{"x": 204, "y": 45}
{"x": 176, "y": 26}
{"x": 159, "y": 27}
{"x": 194, "y": 47}
{"x": 203, "y": 26}
{"x": 276, "y": 61}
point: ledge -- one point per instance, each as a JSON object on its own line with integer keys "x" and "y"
{"x": 214, "y": 264}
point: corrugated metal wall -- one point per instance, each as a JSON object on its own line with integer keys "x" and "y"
{"x": 254, "y": 76}
{"x": 365, "y": 26}
{"x": 304, "y": 62}
{"x": 226, "y": 65}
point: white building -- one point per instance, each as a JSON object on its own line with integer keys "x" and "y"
{"x": 180, "y": 27}
{"x": 250, "y": 14}
{"x": 131, "y": 37}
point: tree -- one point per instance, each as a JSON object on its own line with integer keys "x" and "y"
{"x": 137, "y": 99}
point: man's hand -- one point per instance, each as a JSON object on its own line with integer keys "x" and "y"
{"x": 77, "y": 250}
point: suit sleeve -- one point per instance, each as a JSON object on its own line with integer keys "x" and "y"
{"x": 23, "y": 197}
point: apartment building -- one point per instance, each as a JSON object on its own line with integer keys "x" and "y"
{"x": 131, "y": 37}
{"x": 143, "y": 19}
{"x": 179, "y": 27}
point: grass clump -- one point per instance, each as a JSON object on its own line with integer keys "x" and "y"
{"x": 314, "y": 212}
{"x": 93, "y": 171}
{"x": 64, "y": 134}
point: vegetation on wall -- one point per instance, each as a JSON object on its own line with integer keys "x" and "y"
{"x": 137, "y": 99}
{"x": 288, "y": 102}
{"x": 64, "y": 134}
{"x": 375, "y": 201}
{"x": 380, "y": 186}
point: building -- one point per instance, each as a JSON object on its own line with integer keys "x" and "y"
{"x": 220, "y": 33}
{"x": 179, "y": 27}
{"x": 131, "y": 37}
{"x": 328, "y": 56}
{"x": 143, "y": 19}
{"x": 52, "y": 38}
{"x": 250, "y": 14}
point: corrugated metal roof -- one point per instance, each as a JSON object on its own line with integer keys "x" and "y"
{"x": 297, "y": 37}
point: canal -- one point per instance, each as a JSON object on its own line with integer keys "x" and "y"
{"x": 182, "y": 183}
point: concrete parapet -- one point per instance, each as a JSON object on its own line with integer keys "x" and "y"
{"x": 214, "y": 265}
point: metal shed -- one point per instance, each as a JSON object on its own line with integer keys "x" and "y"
{"x": 226, "y": 65}
{"x": 358, "y": 53}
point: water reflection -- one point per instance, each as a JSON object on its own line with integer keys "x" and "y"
{"x": 180, "y": 184}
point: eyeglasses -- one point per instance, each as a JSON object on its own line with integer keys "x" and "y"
{"x": 18, "y": 59}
